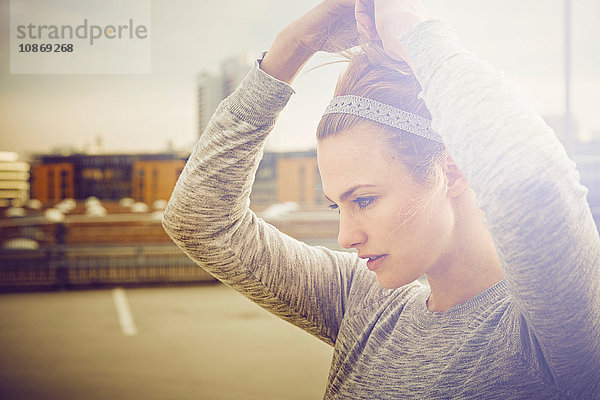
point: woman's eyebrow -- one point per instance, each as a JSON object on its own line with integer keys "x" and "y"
{"x": 349, "y": 192}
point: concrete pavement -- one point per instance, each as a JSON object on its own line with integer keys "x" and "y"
{"x": 203, "y": 342}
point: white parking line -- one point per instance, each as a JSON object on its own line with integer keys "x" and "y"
{"x": 124, "y": 312}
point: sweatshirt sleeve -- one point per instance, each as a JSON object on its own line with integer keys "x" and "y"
{"x": 208, "y": 217}
{"x": 534, "y": 204}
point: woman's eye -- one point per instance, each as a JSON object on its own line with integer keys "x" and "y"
{"x": 333, "y": 206}
{"x": 363, "y": 202}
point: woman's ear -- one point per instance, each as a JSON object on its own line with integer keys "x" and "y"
{"x": 456, "y": 182}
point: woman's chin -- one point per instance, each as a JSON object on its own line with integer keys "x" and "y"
{"x": 393, "y": 282}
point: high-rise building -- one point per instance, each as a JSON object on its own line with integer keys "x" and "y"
{"x": 213, "y": 88}
{"x": 210, "y": 94}
{"x": 233, "y": 70}
{"x": 14, "y": 180}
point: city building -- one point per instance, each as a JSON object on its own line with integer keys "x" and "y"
{"x": 234, "y": 69}
{"x": 213, "y": 88}
{"x": 155, "y": 179}
{"x": 14, "y": 180}
{"x": 264, "y": 190}
{"x": 298, "y": 178}
{"x": 53, "y": 182}
{"x": 145, "y": 177}
{"x": 281, "y": 177}
{"x": 209, "y": 95}
{"x": 288, "y": 176}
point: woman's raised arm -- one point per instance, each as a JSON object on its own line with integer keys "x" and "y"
{"x": 208, "y": 215}
{"x": 534, "y": 204}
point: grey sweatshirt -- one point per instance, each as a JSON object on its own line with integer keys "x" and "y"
{"x": 534, "y": 335}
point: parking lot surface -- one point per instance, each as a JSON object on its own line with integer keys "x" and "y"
{"x": 201, "y": 342}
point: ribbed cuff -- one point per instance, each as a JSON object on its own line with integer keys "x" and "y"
{"x": 259, "y": 98}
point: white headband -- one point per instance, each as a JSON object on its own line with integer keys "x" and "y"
{"x": 384, "y": 114}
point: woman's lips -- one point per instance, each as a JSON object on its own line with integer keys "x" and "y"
{"x": 374, "y": 262}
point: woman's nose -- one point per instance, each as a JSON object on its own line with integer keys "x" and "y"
{"x": 350, "y": 234}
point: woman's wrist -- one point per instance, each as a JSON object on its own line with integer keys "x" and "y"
{"x": 285, "y": 57}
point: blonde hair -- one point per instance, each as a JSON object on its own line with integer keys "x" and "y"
{"x": 374, "y": 75}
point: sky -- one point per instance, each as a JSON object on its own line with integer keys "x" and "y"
{"x": 148, "y": 112}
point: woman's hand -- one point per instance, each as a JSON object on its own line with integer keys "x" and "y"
{"x": 387, "y": 20}
{"x": 335, "y": 25}
{"x": 329, "y": 26}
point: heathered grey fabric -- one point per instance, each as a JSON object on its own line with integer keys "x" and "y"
{"x": 535, "y": 335}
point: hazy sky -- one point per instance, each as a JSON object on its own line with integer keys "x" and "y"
{"x": 144, "y": 112}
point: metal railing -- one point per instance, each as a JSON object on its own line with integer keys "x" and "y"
{"x": 75, "y": 266}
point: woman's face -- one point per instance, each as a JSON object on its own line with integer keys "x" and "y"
{"x": 391, "y": 220}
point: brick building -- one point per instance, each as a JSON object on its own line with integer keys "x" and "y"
{"x": 53, "y": 182}
{"x": 281, "y": 177}
{"x": 155, "y": 179}
{"x": 145, "y": 177}
{"x": 298, "y": 179}
{"x": 289, "y": 176}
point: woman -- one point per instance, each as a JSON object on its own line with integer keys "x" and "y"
{"x": 482, "y": 200}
